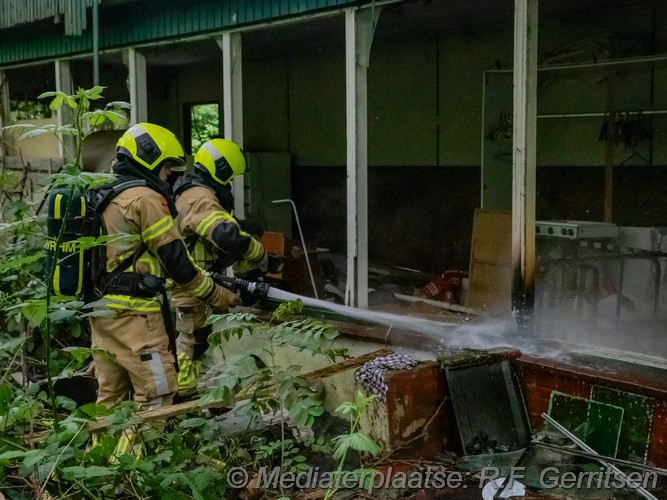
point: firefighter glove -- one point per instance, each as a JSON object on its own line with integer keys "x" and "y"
{"x": 222, "y": 300}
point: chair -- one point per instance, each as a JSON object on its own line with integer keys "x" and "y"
{"x": 274, "y": 243}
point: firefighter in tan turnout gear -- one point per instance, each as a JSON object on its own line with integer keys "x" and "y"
{"x": 216, "y": 241}
{"x": 144, "y": 248}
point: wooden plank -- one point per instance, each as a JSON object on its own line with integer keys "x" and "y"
{"x": 191, "y": 406}
{"x": 490, "y": 282}
{"x": 346, "y": 365}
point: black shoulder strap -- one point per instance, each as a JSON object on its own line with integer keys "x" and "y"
{"x": 102, "y": 196}
{"x": 186, "y": 182}
{"x": 100, "y": 199}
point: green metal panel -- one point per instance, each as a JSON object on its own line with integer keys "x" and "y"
{"x": 597, "y": 424}
{"x": 636, "y": 429}
{"x": 139, "y": 22}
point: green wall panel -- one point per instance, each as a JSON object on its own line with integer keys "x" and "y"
{"x": 402, "y": 103}
{"x": 142, "y": 22}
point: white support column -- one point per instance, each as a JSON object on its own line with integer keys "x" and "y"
{"x": 136, "y": 84}
{"x": 64, "y": 115}
{"x": 359, "y": 30}
{"x": 523, "y": 161}
{"x": 232, "y": 92}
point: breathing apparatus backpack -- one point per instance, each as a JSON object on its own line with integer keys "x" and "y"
{"x": 80, "y": 270}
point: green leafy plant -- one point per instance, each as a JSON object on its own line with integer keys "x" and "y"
{"x": 46, "y": 449}
{"x": 261, "y": 385}
{"x": 37, "y": 328}
{"x": 354, "y": 439}
{"x": 41, "y": 311}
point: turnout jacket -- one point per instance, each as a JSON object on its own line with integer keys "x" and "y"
{"x": 140, "y": 217}
{"x": 214, "y": 237}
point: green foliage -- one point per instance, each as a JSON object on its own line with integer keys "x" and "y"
{"x": 28, "y": 110}
{"x": 353, "y": 440}
{"x": 190, "y": 457}
{"x": 205, "y": 119}
{"x": 273, "y": 386}
{"x": 42, "y": 337}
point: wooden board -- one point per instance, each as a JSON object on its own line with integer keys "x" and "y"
{"x": 490, "y": 281}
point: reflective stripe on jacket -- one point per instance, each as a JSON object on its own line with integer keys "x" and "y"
{"x": 140, "y": 216}
{"x": 219, "y": 236}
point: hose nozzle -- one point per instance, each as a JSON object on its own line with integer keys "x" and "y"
{"x": 257, "y": 289}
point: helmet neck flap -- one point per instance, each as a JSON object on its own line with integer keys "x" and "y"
{"x": 201, "y": 177}
{"x": 126, "y": 167}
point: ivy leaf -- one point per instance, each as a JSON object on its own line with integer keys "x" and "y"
{"x": 354, "y": 441}
{"x": 119, "y": 105}
{"x": 57, "y": 102}
{"x": 60, "y": 315}
{"x": 78, "y": 472}
{"x": 10, "y": 455}
{"x": 94, "y": 93}
{"x": 19, "y": 263}
{"x": 66, "y": 130}
{"x": 50, "y": 93}
{"x": 33, "y": 133}
{"x": 10, "y": 347}
{"x": 115, "y": 117}
{"x": 80, "y": 354}
{"x": 192, "y": 422}
{"x": 34, "y": 311}
{"x": 9, "y": 179}
{"x": 95, "y": 118}
{"x": 71, "y": 102}
{"x": 34, "y": 457}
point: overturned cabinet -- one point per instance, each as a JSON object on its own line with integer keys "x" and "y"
{"x": 462, "y": 404}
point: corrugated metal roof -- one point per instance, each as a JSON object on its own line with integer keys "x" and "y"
{"x": 131, "y": 23}
{"x": 73, "y": 12}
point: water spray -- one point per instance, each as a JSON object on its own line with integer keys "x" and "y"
{"x": 466, "y": 334}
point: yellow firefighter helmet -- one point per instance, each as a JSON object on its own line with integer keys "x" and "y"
{"x": 221, "y": 158}
{"x": 149, "y": 145}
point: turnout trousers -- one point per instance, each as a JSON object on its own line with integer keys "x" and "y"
{"x": 143, "y": 366}
{"x": 191, "y": 343}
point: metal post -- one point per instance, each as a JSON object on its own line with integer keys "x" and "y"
{"x": 96, "y": 43}
{"x": 4, "y": 108}
{"x": 303, "y": 244}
